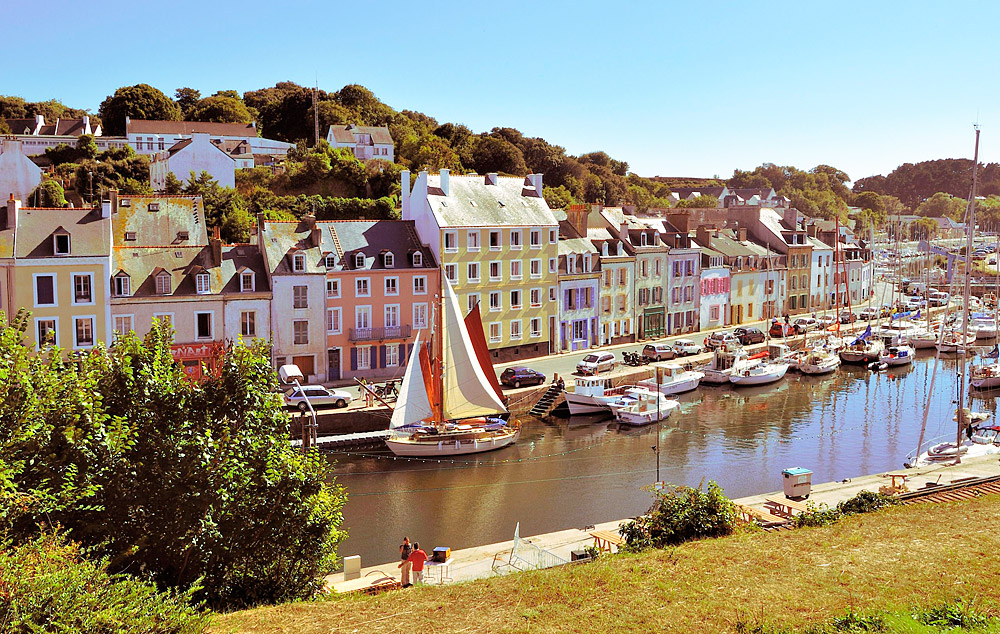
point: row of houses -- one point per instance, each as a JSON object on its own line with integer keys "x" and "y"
{"x": 345, "y": 299}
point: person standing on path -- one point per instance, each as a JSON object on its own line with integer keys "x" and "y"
{"x": 417, "y": 559}
{"x": 404, "y": 565}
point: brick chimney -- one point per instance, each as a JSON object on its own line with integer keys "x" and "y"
{"x": 704, "y": 234}
{"x": 215, "y": 242}
{"x": 13, "y": 207}
{"x": 680, "y": 220}
{"x": 445, "y": 176}
{"x": 577, "y": 216}
{"x": 741, "y": 234}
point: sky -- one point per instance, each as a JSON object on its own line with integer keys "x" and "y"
{"x": 675, "y": 89}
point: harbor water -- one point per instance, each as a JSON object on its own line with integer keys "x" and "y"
{"x": 570, "y": 473}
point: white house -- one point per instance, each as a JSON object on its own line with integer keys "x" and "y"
{"x": 367, "y": 142}
{"x": 19, "y": 176}
{"x": 150, "y": 136}
{"x": 38, "y": 136}
{"x": 197, "y": 154}
{"x": 821, "y": 271}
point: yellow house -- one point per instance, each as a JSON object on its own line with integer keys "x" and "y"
{"x": 497, "y": 242}
{"x": 58, "y": 266}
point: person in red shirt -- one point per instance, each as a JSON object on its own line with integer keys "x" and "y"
{"x": 417, "y": 559}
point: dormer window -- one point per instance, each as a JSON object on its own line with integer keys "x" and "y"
{"x": 418, "y": 258}
{"x": 298, "y": 263}
{"x": 359, "y": 260}
{"x": 154, "y": 206}
{"x": 60, "y": 243}
{"x": 201, "y": 284}
{"x": 123, "y": 285}
{"x": 642, "y": 239}
{"x": 330, "y": 261}
{"x": 388, "y": 261}
{"x": 125, "y": 202}
{"x": 182, "y": 235}
{"x": 163, "y": 283}
{"x": 247, "y": 282}
{"x": 130, "y": 236}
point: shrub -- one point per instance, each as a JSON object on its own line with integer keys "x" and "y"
{"x": 680, "y": 514}
{"x": 46, "y": 586}
{"x": 821, "y": 515}
{"x": 863, "y": 502}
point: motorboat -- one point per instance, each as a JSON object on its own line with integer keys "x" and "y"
{"x": 671, "y": 378}
{"x": 725, "y": 362}
{"x": 924, "y": 340}
{"x": 819, "y": 361}
{"x": 644, "y": 407}
{"x": 593, "y": 395}
{"x": 762, "y": 374}
{"x": 954, "y": 341}
{"x": 986, "y": 436}
{"x": 897, "y": 355}
{"x": 899, "y": 331}
{"x": 984, "y": 325}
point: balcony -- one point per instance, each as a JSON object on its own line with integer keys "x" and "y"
{"x": 380, "y": 334}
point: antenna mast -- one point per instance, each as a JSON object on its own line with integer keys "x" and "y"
{"x": 315, "y": 104}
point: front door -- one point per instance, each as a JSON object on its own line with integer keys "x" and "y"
{"x": 333, "y": 371}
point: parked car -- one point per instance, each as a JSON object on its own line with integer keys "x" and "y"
{"x": 658, "y": 351}
{"x": 719, "y": 339}
{"x": 938, "y": 299}
{"x": 518, "y": 376}
{"x": 867, "y": 314}
{"x": 826, "y": 320}
{"x": 318, "y": 395}
{"x": 685, "y": 347}
{"x": 748, "y": 336}
{"x": 781, "y": 329}
{"x": 805, "y": 324}
{"x": 596, "y": 363}
{"x": 847, "y": 317}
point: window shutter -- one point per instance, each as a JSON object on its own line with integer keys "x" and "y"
{"x": 354, "y": 358}
{"x": 381, "y": 356}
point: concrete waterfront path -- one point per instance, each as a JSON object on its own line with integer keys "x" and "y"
{"x": 477, "y": 562}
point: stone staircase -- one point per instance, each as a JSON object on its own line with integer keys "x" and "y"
{"x": 547, "y": 402}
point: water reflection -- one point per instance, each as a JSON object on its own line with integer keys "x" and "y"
{"x": 564, "y": 474}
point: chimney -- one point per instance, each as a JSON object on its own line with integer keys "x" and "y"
{"x": 577, "y": 216}
{"x": 491, "y": 178}
{"x": 445, "y": 181}
{"x": 704, "y": 236}
{"x": 404, "y": 194}
{"x": 623, "y": 231}
{"x": 536, "y": 181}
{"x": 682, "y": 221}
{"x": 216, "y": 243}
{"x": 13, "y": 206}
{"x": 110, "y": 204}
{"x": 741, "y": 234}
{"x": 314, "y": 232}
{"x": 39, "y": 122}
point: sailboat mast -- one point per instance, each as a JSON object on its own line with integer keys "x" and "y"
{"x": 437, "y": 349}
{"x": 969, "y": 231}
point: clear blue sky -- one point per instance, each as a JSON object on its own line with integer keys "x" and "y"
{"x": 694, "y": 89}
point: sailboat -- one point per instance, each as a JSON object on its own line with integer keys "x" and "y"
{"x": 864, "y": 349}
{"x": 987, "y": 376}
{"x": 450, "y": 407}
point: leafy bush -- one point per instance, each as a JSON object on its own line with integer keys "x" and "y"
{"x": 46, "y": 586}
{"x": 863, "y": 502}
{"x": 680, "y": 514}
{"x": 820, "y": 515}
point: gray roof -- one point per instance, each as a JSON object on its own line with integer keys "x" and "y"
{"x": 573, "y": 246}
{"x": 375, "y": 237}
{"x": 725, "y": 243}
{"x": 281, "y": 239}
{"x": 164, "y": 227}
{"x": 90, "y": 235}
{"x": 155, "y": 126}
{"x": 143, "y": 264}
{"x": 345, "y": 133}
{"x": 513, "y": 201}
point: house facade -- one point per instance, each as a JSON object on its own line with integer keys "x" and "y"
{"x": 713, "y": 307}
{"x": 579, "y": 294}
{"x": 496, "y": 241}
{"x": 36, "y": 135}
{"x": 194, "y": 155}
{"x": 683, "y": 276}
{"x": 617, "y": 304}
{"x": 19, "y": 176}
{"x": 150, "y": 136}
{"x": 821, "y": 273}
{"x": 644, "y": 243}
{"x": 366, "y": 142}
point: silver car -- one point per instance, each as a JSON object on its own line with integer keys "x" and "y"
{"x": 318, "y": 395}
{"x": 595, "y": 363}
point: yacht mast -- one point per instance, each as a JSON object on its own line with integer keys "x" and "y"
{"x": 970, "y": 229}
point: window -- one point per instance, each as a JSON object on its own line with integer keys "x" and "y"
{"x": 496, "y": 241}
{"x": 163, "y": 283}
{"x": 392, "y": 286}
{"x": 130, "y": 236}
{"x": 362, "y": 317}
{"x": 83, "y": 288}
{"x": 451, "y": 272}
{"x": 496, "y": 304}
{"x": 83, "y": 332}
{"x": 536, "y": 297}
{"x": 418, "y": 258}
{"x": 473, "y": 271}
{"x": 45, "y": 289}
{"x": 60, "y": 243}
{"x": 202, "y": 284}
{"x": 535, "y": 239}
{"x": 552, "y": 293}
{"x": 536, "y": 269}
{"x": 165, "y": 319}
{"x": 677, "y": 268}
{"x": 391, "y": 313}
{"x": 643, "y": 269}
{"x": 515, "y": 299}
{"x": 515, "y": 239}
{"x": 419, "y": 284}
{"x": 203, "y": 323}
{"x": 123, "y": 323}
{"x": 688, "y": 267}
{"x": 364, "y": 357}
{"x": 553, "y": 236}
{"x": 570, "y": 264}
{"x": 472, "y": 301}
{"x": 330, "y": 261}
{"x": 248, "y": 323}
{"x": 333, "y": 321}
{"x": 47, "y": 332}
{"x": 388, "y": 260}
{"x": 553, "y": 265}
{"x": 361, "y": 288}
{"x": 333, "y": 289}
{"x": 495, "y": 332}
{"x": 536, "y": 327}
{"x": 298, "y": 263}
{"x": 300, "y": 297}
{"x": 248, "y": 282}
{"x": 359, "y": 260}
{"x": 472, "y": 240}
{"x": 515, "y": 269}
{"x": 496, "y": 272}
{"x": 607, "y": 278}
{"x": 586, "y": 263}
{"x": 515, "y": 329}
{"x": 300, "y": 332}
{"x": 391, "y": 356}
{"x": 450, "y": 242}
{"x": 622, "y": 277}
{"x": 419, "y": 316}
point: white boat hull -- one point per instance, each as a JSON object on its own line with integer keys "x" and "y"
{"x": 427, "y": 446}
{"x": 904, "y": 356}
{"x": 580, "y": 405}
{"x": 985, "y": 377}
{"x": 760, "y": 378}
{"x": 824, "y": 367}
{"x": 631, "y": 416}
{"x": 716, "y": 377}
{"x": 923, "y": 342}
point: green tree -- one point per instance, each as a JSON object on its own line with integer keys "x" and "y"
{"x": 558, "y": 197}
{"x": 942, "y": 205}
{"x": 186, "y": 99}
{"x": 141, "y": 101}
{"x": 702, "y": 202}
{"x": 49, "y": 193}
{"x": 924, "y": 228}
{"x": 174, "y": 185}
{"x": 869, "y": 200}
{"x": 220, "y": 109}
{"x": 86, "y": 146}
{"x": 493, "y": 154}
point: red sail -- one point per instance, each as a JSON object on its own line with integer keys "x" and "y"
{"x": 474, "y": 324}
{"x": 425, "y": 369}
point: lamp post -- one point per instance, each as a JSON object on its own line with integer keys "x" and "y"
{"x": 90, "y": 177}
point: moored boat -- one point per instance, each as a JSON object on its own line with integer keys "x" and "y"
{"x": 897, "y": 355}
{"x": 593, "y": 395}
{"x": 645, "y": 407}
{"x": 760, "y": 375}
{"x": 819, "y": 361}
{"x": 864, "y": 349}
{"x": 725, "y": 362}
{"x": 673, "y": 379}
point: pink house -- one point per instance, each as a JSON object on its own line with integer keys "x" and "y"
{"x": 381, "y": 284}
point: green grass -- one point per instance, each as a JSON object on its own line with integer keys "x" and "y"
{"x": 881, "y": 567}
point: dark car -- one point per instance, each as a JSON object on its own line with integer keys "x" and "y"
{"x": 781, "y": 329}
{"x": 748, "y": 336}
{"x": 516, "y": 377}
{"x": 847, "y": 317}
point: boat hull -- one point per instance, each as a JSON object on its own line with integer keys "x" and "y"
{"x": 759, "y": 379}
{"x": 428, "y": 446}
{"x": 825, "y": 367}
{"x": 579, "y": 404}
{"x": 716, "y": 377}
{"x": 627, "y": 416}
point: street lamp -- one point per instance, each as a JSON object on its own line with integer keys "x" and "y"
{"x": 90, "y": 177}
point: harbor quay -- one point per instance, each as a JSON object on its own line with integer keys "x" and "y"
{"x": 480, "y": 562}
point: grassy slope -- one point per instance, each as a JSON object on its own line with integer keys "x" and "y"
{"x": 894, "y": 559}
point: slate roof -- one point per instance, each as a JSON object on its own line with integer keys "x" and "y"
{"x": 90, "y": 235}
{"x": 726, "y": 243}
{"x": 345, "y": 133}
{"x": 513, "y": 201}
{"x": 282, "y": 238}
{"x": 159, "y": 228}
{"x": 818, "y": 244}
{"x": 62, "y": 127}
{"x": 684, "y": 192}
{"x": 573, "y": 246}
{"x": 142, "y": 264}
{"x": 375, "y": 237}
{"x": 154, "y": 126}
{"x": 234, "y": 147}
{"x": 764, "y": 193}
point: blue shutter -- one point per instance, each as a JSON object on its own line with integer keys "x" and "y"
{"x": 381, "y": 356}
{"x": 354, "y": 358}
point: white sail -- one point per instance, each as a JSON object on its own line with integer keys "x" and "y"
{"x": 466, "y": 390}
{"x": 412, "y": 405}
